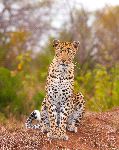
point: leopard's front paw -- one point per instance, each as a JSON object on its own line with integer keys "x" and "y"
{"x": 53, "y": 135}
{"x": 72, "y": 129}
{"x": 50, "y": 135}
{"x": 64, "y": 137}
{"x": 46, "y": 130}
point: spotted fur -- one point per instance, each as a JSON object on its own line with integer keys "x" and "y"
{"x": 61, "y": 108}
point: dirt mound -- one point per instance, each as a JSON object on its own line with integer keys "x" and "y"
{"x": 98, "y": 131}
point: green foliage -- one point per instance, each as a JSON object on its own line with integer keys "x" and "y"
{"x": 23, "y": 60}
{"x": 100, "y": 87}
{"x": 2, "y": 118}
{"x": 11, "y": 97}
{"x": 43, "y": 60}
{"x": 38, "y": 98}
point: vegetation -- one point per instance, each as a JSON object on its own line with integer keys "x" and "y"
{"x": 24, "y": 62}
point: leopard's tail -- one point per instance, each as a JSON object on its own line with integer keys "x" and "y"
{"x": 35, "y": 115}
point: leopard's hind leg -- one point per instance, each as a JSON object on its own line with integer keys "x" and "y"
{"x": 77, "y": 112}
{"x": 44, "y": 123}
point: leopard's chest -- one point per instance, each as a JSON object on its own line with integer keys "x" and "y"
{"x": 60, "y": 87}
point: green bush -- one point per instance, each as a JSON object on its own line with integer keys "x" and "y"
{"x": 100, "y": 87}
{"x": 11, "y": 97}
{"x": 38, "y": 98}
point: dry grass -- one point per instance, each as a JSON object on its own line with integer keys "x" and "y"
{"x": 98, "y": 131}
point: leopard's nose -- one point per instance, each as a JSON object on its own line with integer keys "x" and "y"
{"x": 63, "y": 61}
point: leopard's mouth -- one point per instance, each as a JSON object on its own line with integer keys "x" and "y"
{"x": 64, "y": 64}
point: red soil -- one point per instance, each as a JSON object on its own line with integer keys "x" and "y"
{"x": 98, "y": 131}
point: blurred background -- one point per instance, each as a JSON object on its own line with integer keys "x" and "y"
{"x": 27, "y": 28}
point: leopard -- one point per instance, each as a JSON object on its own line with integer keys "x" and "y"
{"x": 73, "y": 119}
{"x": 61, "y": 108}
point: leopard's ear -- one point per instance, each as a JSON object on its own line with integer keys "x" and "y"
{"x": 76, "y": 44}
{"x": 55, "y": 43}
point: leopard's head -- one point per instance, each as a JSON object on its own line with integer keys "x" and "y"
{"x": 65, "y": 51}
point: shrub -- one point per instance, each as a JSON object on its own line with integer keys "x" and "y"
{"x": 11, "y": 97}
{"x": 100, "y": 87}
{"x": 38, "y": 98}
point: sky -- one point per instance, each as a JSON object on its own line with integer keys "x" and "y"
{"x": 62, "y": 6}
{"x": 97, "y": 4}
